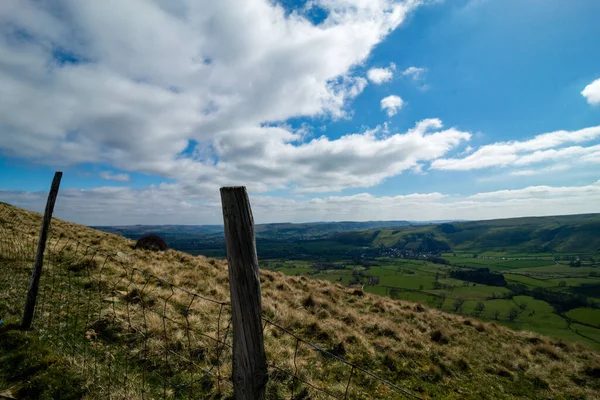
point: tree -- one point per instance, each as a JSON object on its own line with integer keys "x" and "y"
{"x": 496, "y": 315}
{"x": 458, "y": 303}
{"x": 479, "y": 307}
{"x": 420, "y": 287}
{"x": 513, "y": 313}
{"x": 562, "y": 283}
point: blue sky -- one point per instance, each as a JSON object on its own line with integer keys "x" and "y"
{"x": 325, "y": 110}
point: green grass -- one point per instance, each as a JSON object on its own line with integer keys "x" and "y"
{"x": 382, "y": 271}
{"x": 526, "y": 280}
{"x": 574, "y": 281}
{"x": 479, "y": 292}
{"x": 558, "y": 271}
{"x": 538, "y": 316}
{"x": 497, "y": 264}
{"x": 31, "y": 369}
{"x": 592, "y": 334}
{"x": 502, "y": 306}
{"x": 342, "y": 276}
{"x": 407, "y": 282}
{"x": 585, "y": 315}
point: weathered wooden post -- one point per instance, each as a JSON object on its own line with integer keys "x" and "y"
{"x": 34, "y": 283}
{"x": 250, "y": 373}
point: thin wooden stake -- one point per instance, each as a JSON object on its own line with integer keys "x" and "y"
{"x": 34, "y": 283}
{"x": 250, "y": 374}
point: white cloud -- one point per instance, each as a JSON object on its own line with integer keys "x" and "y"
{"x": 540, "y": 171}
{"x": 592, "y": 92}
{"x": 415, "y": 73}
{"x": 180, "y": 88}
{"x": 381, "y": 75}
{"x": 324, "y": 165}
{"x": 467, "y": 150}
{"x": 391, "y": 104}
{"x": 536, "y": 150}
{"x": 109, "y": 176}
{"x": 525, "y": 172}
{"x": 543, "y": 192}
{"x": 177, "y": 204}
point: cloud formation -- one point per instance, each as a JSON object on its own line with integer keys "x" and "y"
{"x": 542, "y": 148}
{"x": 391, "y": 104}
{"x": 381, "y": 75}
{"x": 109, "y": 176}
{"x": 325, "y": 165}
{"x": 415, "y": 73}
{"x": 188, "y": 90}
{"x": 592, "y": 92}
{"x": 163, "y": 204}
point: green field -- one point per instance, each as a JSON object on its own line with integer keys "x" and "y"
{"x": 529, "y": 281}
{"x": 586, "y": 316}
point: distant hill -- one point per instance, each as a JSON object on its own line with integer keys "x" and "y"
{"x": 564, "y": 234}
{"x": 166, "y": 231}
{"x": 560, "y": 234}
{"x": 286, "y": 230}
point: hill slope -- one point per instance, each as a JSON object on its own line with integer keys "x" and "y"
{"x": 431, "y": 353}
{"x": 565, "y": 234}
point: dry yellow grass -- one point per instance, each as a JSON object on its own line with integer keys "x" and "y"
{"x": 431, "y": 353}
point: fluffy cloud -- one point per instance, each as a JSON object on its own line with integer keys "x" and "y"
{"x": 391, "y": 104}
{"x": 323, "y": 165}
{"x": 543, "y": 192}
{"x": 415, "y": 73}
{"x": 109, "y": 176}
{"x": 518, "y": 153}
{"x": 381, "y": 75}
{"x": 539, "y": 171}
{"x": 164, "y": 204}
{"x": 592, "y": 92}
{"x": 173, "y": 87}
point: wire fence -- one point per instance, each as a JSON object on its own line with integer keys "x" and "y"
{"x": 136, "y": 335}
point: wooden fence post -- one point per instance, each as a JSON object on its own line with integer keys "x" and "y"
{"x": 250, "y": 374}
{"x": 34, "y": 283}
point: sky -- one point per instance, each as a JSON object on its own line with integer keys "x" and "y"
{"x": 326, "y": 110}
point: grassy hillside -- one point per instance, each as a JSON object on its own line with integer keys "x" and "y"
{"x": 564, "y": 234}
{"x": 431, "y": 353}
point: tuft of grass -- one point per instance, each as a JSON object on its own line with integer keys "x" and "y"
{"x": 87, "y": 264}
{"x": 440, "y": 337}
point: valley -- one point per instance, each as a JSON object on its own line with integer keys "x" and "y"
{"x": 540, "y": 274}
